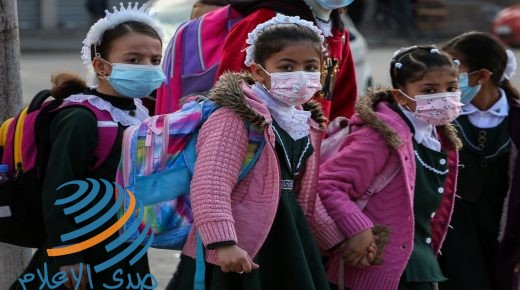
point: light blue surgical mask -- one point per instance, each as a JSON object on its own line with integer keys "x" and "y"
{"x": 334, "y": 4}
{"x": 468, "y": 92}
{"x": 135, "y": 80}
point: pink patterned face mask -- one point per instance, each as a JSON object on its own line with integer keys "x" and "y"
{"x": 437, "y": 109}
{"x": 294, "y": 88}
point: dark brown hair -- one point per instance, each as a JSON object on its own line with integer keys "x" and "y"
{"x": 275, "y": 38}
{"x": 413, "y": 62}
{"x": 120, "y": 30}
{"x": 481, "y": 50}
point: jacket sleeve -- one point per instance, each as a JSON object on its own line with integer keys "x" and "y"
{"x": 326, "y": 232}
{"x": 323, "y": 227}
{"x": 234, "y": 46}
{"x": 346, "y": 176}
{"x": 221, "y": 148}
{"x": 73, "y": 135}
{"x": 345, "y": 87}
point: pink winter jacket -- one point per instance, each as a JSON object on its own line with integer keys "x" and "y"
{"x": 226, "y": 211}
{"x": 380, "y": 135}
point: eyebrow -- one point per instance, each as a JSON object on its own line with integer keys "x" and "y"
{"x": 294, "y": 61}
{"x": 131, "y": 53}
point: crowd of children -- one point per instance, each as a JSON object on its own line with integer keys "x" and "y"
{"x": 422, "y": 193}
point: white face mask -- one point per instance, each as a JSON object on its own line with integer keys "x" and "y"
{"x": 294, "y": 88}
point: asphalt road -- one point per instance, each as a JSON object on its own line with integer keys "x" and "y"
{"x": 36, "y": 73}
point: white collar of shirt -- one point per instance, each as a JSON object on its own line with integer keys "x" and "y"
{"x": 325, "y": 27}
{"x": 491, "y": 117}
{"x": 425, "y": 134}
{"x": 289, "y": 118}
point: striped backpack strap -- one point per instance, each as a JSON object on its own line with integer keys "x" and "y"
{"x": 169, "y": 93}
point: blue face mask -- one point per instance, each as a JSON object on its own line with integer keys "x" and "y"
{"x": 467, "y": 92}
{"x": 333, "y": 4}
{"x": 135, "y": 80}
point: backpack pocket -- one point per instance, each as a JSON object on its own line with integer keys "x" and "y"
{"x": 21, "y": 217}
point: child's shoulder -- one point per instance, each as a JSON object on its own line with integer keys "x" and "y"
{"x": 380, "y": 114}
{"x": 233, "y": 92}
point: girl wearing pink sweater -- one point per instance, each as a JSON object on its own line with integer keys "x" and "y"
{"x": 263, "y": 232}
{"x": 403, "y": 134}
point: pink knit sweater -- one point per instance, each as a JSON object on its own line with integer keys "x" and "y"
{"x": 226, "y": 211}
{"x": 346, "y": 176}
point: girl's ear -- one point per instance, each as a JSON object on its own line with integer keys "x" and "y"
{"x": 258, "y": 73}
{"x": 484, "y": 76}
{"x": 101, "y": 67}
{"x": 399, "y": 98}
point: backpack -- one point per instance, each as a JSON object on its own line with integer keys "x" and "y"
{"x": 157, "y": 164}
{"x": 192, "y": 57}
{"x": 25, "y": 150}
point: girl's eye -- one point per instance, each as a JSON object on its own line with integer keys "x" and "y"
{"x": 453, "y": 89}
{"x": 286, "y": 67}
{"x": 311, "y": 68}
{"x": 133, "y": 60}
{"x": 428, "y": 91}
{"x": 156, "y": 61}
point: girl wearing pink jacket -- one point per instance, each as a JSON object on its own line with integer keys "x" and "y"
{"x": 264, "y": 232}
{"x": 405, "y": 134}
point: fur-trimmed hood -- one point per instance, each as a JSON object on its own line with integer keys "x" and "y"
{"x": 232, "y": 91}
{"x": 367, "y": 112}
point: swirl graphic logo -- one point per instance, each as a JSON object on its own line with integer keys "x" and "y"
{"x": 80, "y": 205}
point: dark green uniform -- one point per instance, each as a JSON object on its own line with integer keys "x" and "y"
{"x": 422, "y": 269}
{"x": 468, "y": 258}
{"x": 73, "y": 134}
{"x": 289, "y": 258}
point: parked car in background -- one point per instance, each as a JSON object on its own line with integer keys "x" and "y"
{"x": 172, "y": 13}
{"x": 507, "y": 25}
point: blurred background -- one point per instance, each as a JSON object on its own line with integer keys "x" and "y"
{"x": 51, "y": 32}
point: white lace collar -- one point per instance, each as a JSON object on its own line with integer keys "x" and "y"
{"x": 324, "y": 26}
{"x": 121, "y": 116}
{"x": 289, "y": 118}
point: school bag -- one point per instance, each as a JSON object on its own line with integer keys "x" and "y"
{"x": 192, "y": 57}
{"x": 24, "y": 148}
{"x": 157, "y": 164}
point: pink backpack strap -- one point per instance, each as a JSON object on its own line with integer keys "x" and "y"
{"x": 382, "y": 180}
{"x": 107, "y": 131}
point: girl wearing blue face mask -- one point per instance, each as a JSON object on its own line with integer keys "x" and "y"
{"x": 489, "y": 175}
{"x": 124, "y": 51}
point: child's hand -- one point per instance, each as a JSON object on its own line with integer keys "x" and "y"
{"x": 360, "y": 249}
{"x": 372, "y": 251}
{"x": 517, "y": 267}
{"x": 234, "y": 259}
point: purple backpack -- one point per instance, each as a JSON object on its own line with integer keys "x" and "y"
{"x": 193, "y": 56}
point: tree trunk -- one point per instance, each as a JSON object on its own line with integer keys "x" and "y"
{"x": 10, "y": 81}
{"x": 12, "y": 259}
